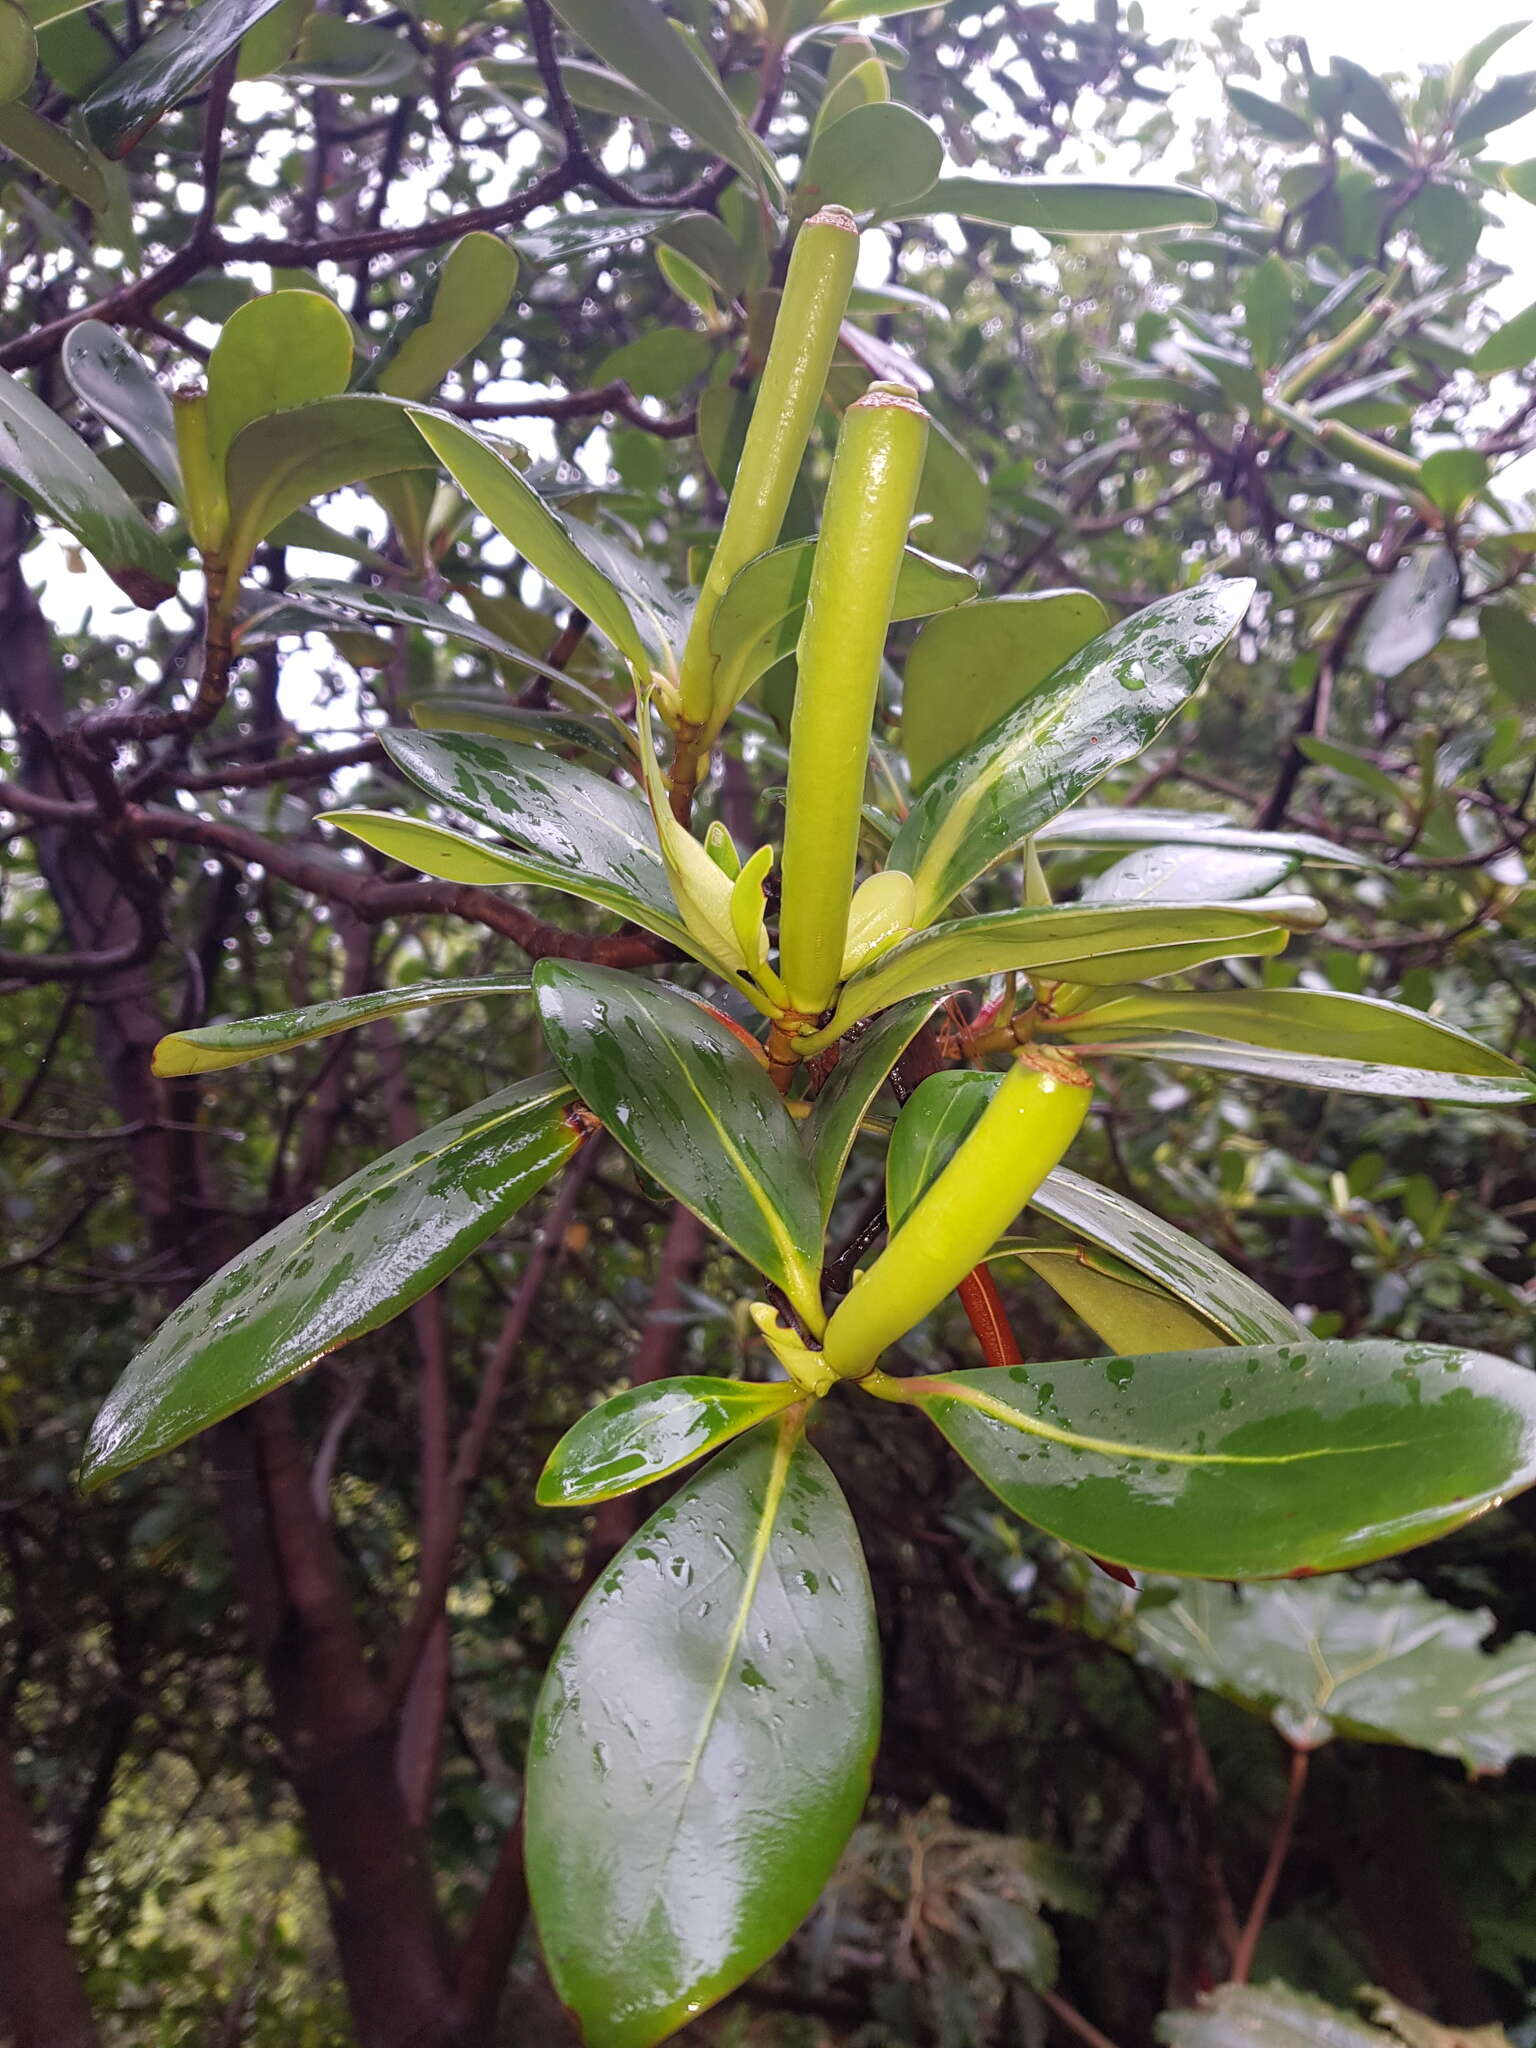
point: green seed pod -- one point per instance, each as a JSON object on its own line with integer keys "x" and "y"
{"x": 870, "y": 498}
{"x": 1023, "y": 1134}
{"x": 18, "y": 51}
{"x": 811, "y": 309}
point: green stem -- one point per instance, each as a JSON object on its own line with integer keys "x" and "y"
{"x": 870, "y": 498}
{"x": 811, "y": 309}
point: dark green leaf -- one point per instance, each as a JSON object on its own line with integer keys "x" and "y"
{"x": 730, "y": 1648}
{"x": 1509, "y": 99}
{"x": 55, "y": 471}
{"x": 1268, "y": 305}
{"x": 472, "y": 291}
{"x": 588, "y": 832}
{"x": 48, "y": 149}
{"x": 954, "y": 501}
{"x": 165, "y": 68}
{"x": 758, "y": 620}
{"x": 120, "y": 388}
{"x": 1269, "y": 117}
{"x": 1274, "y": 2016}
{"x": 278, "y": 464}
{"x": 637, "y": 40}
{"x": 570, "y": 235}
{"x": 343, "y": 1264}
{"x": 1370, "y": 102}
{"x": 1509, "y": 649}
{"x": 1096, "y": 943}
{"x": 1103, "y": 707}
{"x": 404, "y": 608}
{"x": 860, "y": 1074}
{"x": 350, "y": 56}
{"x": 483, "y": 472}
{"x": 1093, "y": 825}
{"x": 212, "y": 1047}
{"x": 590, "y": 85}
{"x": 282, "y": 350}
{"x": 1357, "y": 767}
{"x": 1238, "y": 1463}
{"x": 649, "y": 1432}
{"x": 659, "y": 363}
{"x": 877, "y": 158}
{"x": 1375, "y": 1663}
{"x": 680, "y": 1092}
{"x": 497, "y": 716}
{"x": 1190, "y": 874}
{"x": 970, "y": 667}
{"x": 1314, "y": 1070}
{"x": 1297, "y": 1022}
{"x": 1509, "y": 347}
{"x": 1069, "y": 206}
{"x": 1408, "y": 615}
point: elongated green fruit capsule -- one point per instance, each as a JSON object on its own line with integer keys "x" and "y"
{"x": 873, "y": 489}
{"x": 203, "y": 499}
{"x": 1023, "y": 1134}
{"x": 811, "y": 309}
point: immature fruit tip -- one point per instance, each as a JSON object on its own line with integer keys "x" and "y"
{"x": 834, "y": 217}
{"x": 901, "y": 396}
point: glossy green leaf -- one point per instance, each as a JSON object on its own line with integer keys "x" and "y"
{"x": 352, "y": 56}
{"x": 1299, "y": 1022}
{"x": 211, "y": 1047}
{"x": 1509, "y": 347}
{"x": 472, "y": 291}
{"x": 591, "y": 837}
{"x": 571, "y": 235}
{"x": 48, "y": 149}
{"x": 55, "y": 471}
{"x": 592, "y": 86}
{"x": 1382, "y": 1663}
{"x": 1509, "y": 650}
{"x": 1274, "y": 2016}
{"x": 1279, "y": 123}
{"x": 1508, "y": 99}
{"x": 497, "y": 716}
{"x": 877, "y": 158}
{"x": 1452, "y": 478}
{"x": 860, "y": 10}
{"x": 120, "y": 388}
{"x": 758, "y": 620}
{"x": 165, "y": 69}
{"x": 1095, "y": 943}
{"x": 682, "y": 1094}
{"x": 1117, "y": 1304}
{"x": 969, "y": 668}
{"x": 1097, "y": 825}
{"x": 731, "y": 1647}
{"x": 648, "y": 1432}
{"x": 1357, "y": 767}
{"x": 860, "y": 1074}
{"x": 18, "y": 51}
{"x": 404, "y": 608}
{"x": 279, "y": 351}
{"x": 1313, "y": 1070}
{"x": 345, "y": 1263}
{"x": 1101, "y": 708}
{"x": 660, "y": 363}
{"x": 637, "y": 40}
{"x": 520, "y": 515}
{"x": 708, "y": 244}
{"x": 276, "y": 465}
{"x": 1240, "y": 1463}
{"x": 1069, "y": 206}
{"x": 1217, "y": 1292}
{"x": 1190, "y": 874}
{"x": 1408, "y": 615}
{"x": 954, "y": 501}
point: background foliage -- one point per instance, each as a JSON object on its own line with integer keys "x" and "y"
{"x": 1079, "y": 1794}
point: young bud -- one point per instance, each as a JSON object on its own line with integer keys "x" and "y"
{"x": 1023, "y": 1134}
{"x": 202, "y": 486}
{"x": 811, "y": 309}
{"x": 869, "y": 505}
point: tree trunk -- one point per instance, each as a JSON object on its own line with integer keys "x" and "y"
{"x": 42, "y": 2002}
{"x": 338, "y": 1738}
